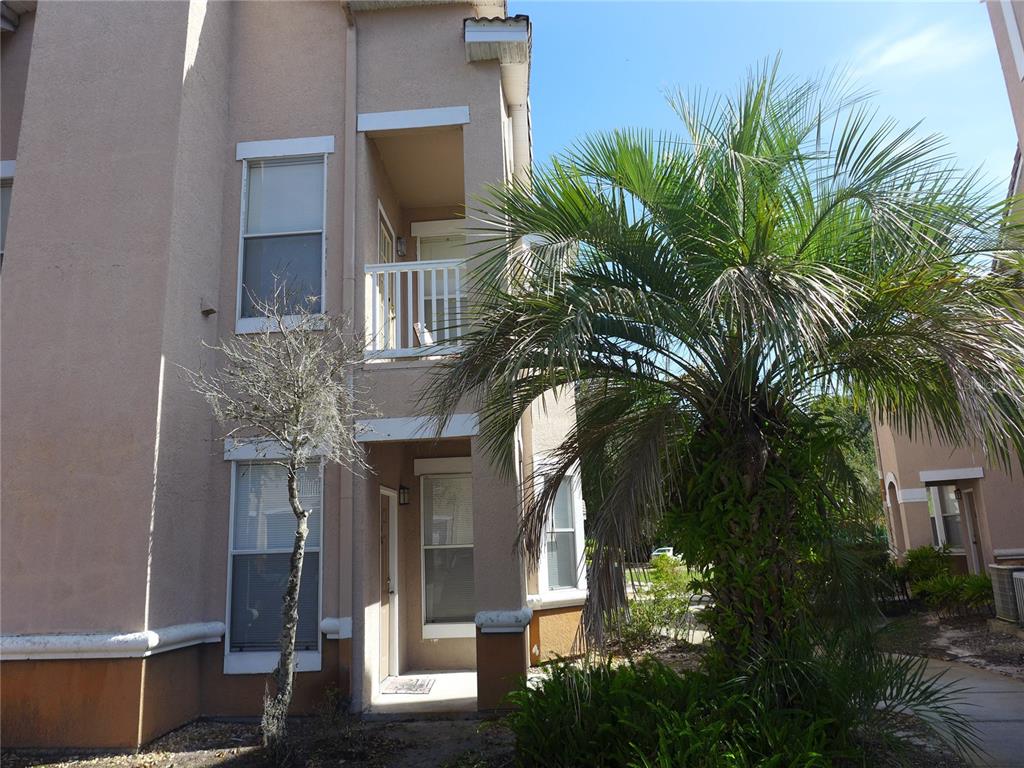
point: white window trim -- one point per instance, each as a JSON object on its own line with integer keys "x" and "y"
{"x": 579, "y": 518}
{"x": 391, "y": 230}
{"x": 246, "y": 151}
{"x": 262, "y": 662}
{"x": 451, "y": 629}
{"x": 935, "y": 513}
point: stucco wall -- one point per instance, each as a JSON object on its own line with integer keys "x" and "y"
{"x": 82, "y": 316}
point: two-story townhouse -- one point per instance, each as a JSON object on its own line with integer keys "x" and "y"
{"x": 163, "y": 162}
{"x": 956, "y": 496}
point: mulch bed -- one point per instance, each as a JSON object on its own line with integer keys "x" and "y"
{"x": 967, "y": 639}
{"x": 318, "y": 742}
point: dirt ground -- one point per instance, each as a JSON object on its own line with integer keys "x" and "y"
{"x": 967, "y": 639}
{"x": 319, "y": 742}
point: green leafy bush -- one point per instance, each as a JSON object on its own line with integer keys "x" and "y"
{"x": 660, "y": 607}
{"x": 810, "y": 712}
{"x": 949, "y": 593}
{"x": 923, "y": 563}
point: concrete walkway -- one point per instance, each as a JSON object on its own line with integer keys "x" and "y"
{"x": 996, "y": 706}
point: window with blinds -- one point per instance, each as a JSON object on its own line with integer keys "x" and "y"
{"x": 560, "y": 540}
{"x": 282, "y": 233}
{"x": 448, "y": 587}
{"x": 263, "y": 530}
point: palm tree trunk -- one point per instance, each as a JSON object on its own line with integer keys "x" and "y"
{"x": 277, "y": 703}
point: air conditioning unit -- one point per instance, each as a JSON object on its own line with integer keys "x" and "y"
{"x": 1018, "y": 592}
{"x": 1006, "y": 596}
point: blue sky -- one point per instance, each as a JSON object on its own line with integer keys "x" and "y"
{"x": 602, "y": 65}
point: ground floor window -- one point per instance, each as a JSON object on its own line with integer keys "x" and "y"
{"x": 448, "y": 585}
{"x": 262, "y": 532}
{"x": 561, "y": 562}
{"x": 944, "y": 511}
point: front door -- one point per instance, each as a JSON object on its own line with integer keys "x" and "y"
{"x": 388, "y": 584}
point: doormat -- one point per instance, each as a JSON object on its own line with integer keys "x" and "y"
{"x": 407, "y": 685}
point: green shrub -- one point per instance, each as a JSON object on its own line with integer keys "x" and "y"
{"x": 923, "y": 563}
{"x": 812, "y": 709}
{"x": 951, "y": 594}
{"x": 660, "y": 607}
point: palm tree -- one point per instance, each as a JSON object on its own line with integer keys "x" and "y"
{"x": 700, "y": 292}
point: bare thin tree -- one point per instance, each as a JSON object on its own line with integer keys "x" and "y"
{"x": 288, "y": 388}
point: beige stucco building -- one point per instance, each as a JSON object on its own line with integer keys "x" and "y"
{"x": 162, "y": 162}
{"x": 938, "y": 494}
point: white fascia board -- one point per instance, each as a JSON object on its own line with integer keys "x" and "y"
{"x": 128, "y": 645}
{"x": 487, "y": 31}
{"x": 404, "y": 119}
{"x": 458, "y": 465}
{"x": 7, "y": 168}
{"x": 415, "y": 428}
{"x": 337, "y": 628}
{"x": 309, "y": 145}
{"x": 941, "y": 475}
{"x": 907, "y": 495}
{"x": 503, "y": 622}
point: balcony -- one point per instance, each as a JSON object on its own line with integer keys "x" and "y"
{"x": 413, "y": 309}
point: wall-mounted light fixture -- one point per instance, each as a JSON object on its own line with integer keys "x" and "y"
{"x": 403, "y": 494}
{"x": 400, "y": 247}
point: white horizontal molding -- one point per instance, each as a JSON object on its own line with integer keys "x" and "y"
{"x": 404, "y": 119}
{"x": 262, "y": 662}
{"x": 438, "y": 228}
{"x": 309, "y": 145}
{"x": 559, "y": 598}
{"x": 450, "y": 631}
{"x": 337, "y": 628}
{"x": 907, "y": 495}
{"x": 126, "y": 645}
{"x": 457, "y": 465}
{"x": 415, "y": 428}
{"x": 240, "y": 449}
{"x": 941, "y": 475}
{"x": 504, "y": 622}
{"x": 7, "y": 168}
{"x": 1008, "y": 554}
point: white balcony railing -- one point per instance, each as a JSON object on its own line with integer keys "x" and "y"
{"x": 413, "y": 308}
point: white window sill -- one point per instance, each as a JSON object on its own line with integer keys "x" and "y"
{"x": 557, "y": 598}
{"x": 262, "y": 662}
{"x": 448, "y": 631}
{"x": 264, "y": 324}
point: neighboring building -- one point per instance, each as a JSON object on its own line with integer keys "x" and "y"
{"x": 157, "y": 157}
{"x": 937, "y": 494}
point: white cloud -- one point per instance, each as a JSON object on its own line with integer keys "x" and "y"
{"x": 931, "y": 50}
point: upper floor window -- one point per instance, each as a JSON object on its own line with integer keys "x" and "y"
{"x": 281, "y": 247}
